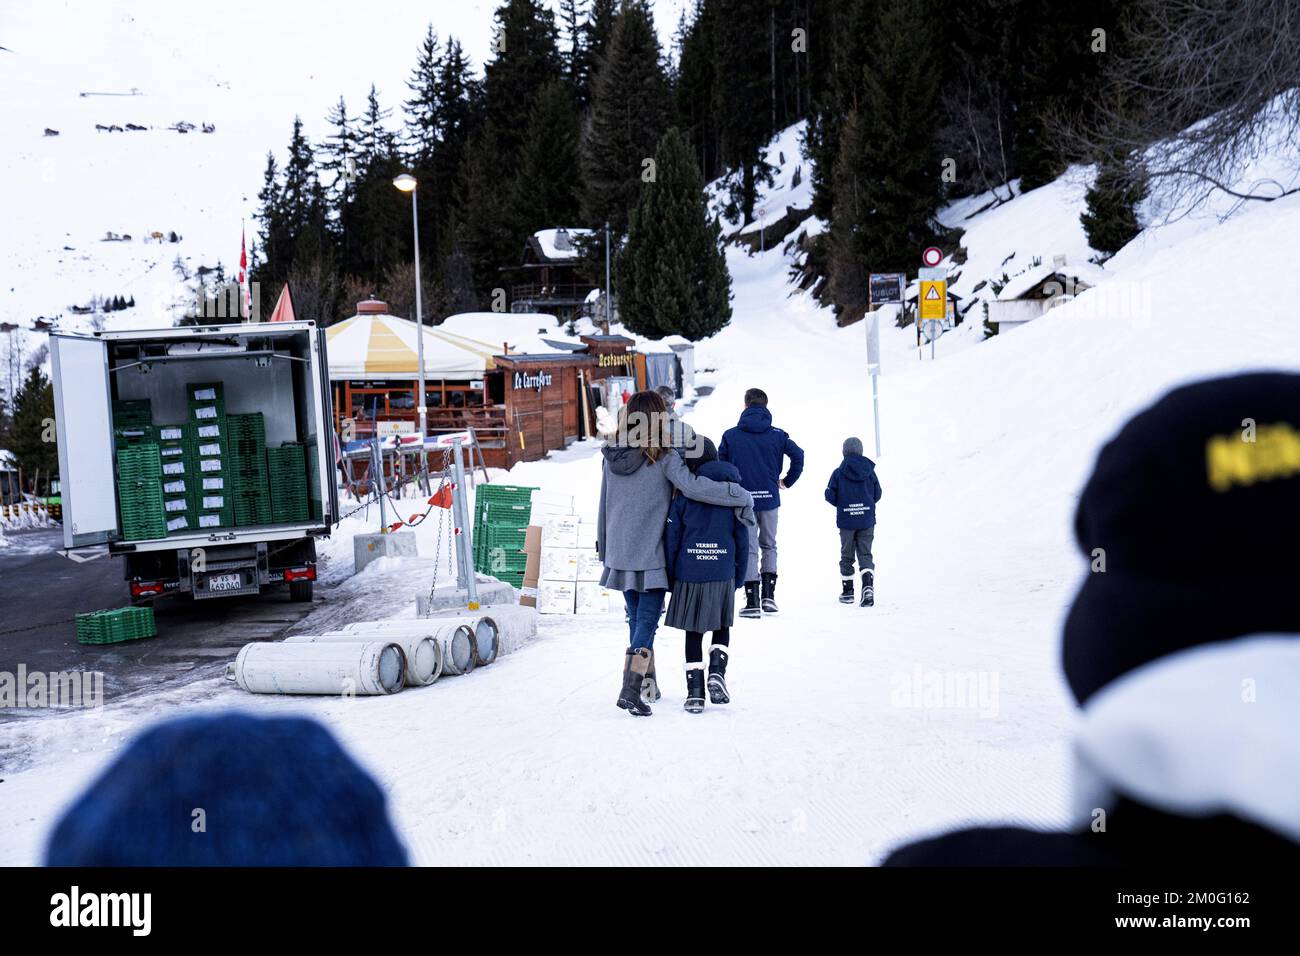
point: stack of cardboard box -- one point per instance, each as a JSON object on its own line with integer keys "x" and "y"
{"x": 562, "y": 575}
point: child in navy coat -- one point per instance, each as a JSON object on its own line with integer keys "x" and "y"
{"x": 854, "y": 491}
{"x": 707, "y": 548}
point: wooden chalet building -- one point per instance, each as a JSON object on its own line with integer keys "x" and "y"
{"x": 549, "y": 273}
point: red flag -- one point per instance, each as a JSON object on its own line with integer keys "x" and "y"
{"x": 283, "y": 306}
{"x": 244, "y": 300}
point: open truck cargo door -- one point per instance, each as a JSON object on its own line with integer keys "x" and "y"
{"x": 327, "y": 470}
{"x": 84, "y": 426}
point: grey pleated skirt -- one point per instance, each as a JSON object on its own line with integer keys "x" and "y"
{"x": 701, "y": 605}
{"x": 616, "y": 580}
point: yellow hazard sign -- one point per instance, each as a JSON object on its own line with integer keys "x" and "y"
{"x": 934, "y": 300}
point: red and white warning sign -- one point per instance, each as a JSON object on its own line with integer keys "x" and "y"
{"x": 932, "y": 256}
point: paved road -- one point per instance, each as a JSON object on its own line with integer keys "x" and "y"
{"x": 40, "y": 590}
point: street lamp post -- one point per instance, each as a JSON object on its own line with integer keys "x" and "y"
{"x": 407, "y": 184}
{"x": 608, "y": 302}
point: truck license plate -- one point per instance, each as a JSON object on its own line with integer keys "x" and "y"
{"x": 225, "y": 582}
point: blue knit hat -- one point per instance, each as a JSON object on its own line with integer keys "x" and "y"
{"x": 229, "y": 790}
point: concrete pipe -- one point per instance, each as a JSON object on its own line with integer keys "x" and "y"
{"x": 423, "y": 654}
{"x": 486, "y": 630}
{"x": 456, "y": 638}
{"x": 515, "y": 624}
{"x": 343, "y": 667}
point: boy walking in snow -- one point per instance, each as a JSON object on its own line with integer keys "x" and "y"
{"x": 758, "y": 450}
{"x": 854, "y": 491}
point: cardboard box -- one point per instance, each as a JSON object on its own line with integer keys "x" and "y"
{"x": 587, "y": 535}
{"x": 559, "y": 564}
{"x": 555, "y": 597}
{"x": 590, "y": 567}
{"x": 559, "y": 531}
{"x": 592, "y": 598}
{"x": 551, "y": 503}
{"x": 533, "y": 566}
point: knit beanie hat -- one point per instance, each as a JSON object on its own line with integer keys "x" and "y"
{"x": 702, "y": 451}
{"x": 229, "y": 790}
{"x": 1191, "y": 525}
{"x": 852, "y": 446}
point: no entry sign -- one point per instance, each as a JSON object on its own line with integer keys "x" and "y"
{"x": 932, "y": 256}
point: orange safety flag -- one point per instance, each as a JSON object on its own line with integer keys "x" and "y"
{"x": 442, "y": 497}
{"x": 284, "y": 307}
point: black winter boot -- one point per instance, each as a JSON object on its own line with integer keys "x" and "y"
{"x": 868, "y": 589}
{"x": 635, "y": 664}
{"x": 769, "y": 592}
{"x": 694, "y": 688}
{"x": 718, "y": 655}
{"x": 846, "y": 590}
{"x": 650, "y": 686}
{"x": 752, "y": 607}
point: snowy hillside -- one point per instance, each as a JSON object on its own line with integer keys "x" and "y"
{"x": 161, "y": 65}
{"x": 831, "y": 752}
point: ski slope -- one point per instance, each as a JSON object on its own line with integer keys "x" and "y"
{"x": 832, "y": 751}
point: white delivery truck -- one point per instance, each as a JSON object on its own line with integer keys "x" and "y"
{"x": 271, "y": 378}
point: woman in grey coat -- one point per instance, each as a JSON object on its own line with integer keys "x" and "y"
{"x": 639, "y": 473}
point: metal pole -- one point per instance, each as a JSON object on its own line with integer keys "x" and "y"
{"x": 875, "y": 406}
{"x": 609, "y": 303}
{"x": 465, "y": 576}
{"x": 420, "y": 404}
{"x": 377, "y": 480}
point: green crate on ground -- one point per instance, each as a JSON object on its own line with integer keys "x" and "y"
{"x": 501, "y": 517}
{"x": 116, "y": 626}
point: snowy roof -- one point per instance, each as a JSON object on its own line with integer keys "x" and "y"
{"x": 557, "y": 244}
{"x": 1085, "y": 274}
{"x": 462, "y": 347}
{"x": 6, "y": 459}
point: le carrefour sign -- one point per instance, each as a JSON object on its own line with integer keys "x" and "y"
{"x": 537, "y": 382}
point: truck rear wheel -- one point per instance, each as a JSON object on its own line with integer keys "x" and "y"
{"x": 300, "y": 590}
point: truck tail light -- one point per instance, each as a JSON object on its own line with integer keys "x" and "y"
{"x": 146, "y": 588}
{"x": 306, "y": 573}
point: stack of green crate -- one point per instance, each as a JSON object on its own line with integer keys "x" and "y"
{"x": 208, "y": 443}
{"x": 177, "y": 483}
{"x": 114, "y": 627}
{"x": 248, "y": 475}
{"x": 132, "y": 422}
{"x": 287, "y": 468}
{"x": 139, "y": 492}
{"x": 501, "y": 516}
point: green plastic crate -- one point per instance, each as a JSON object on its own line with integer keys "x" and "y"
{"x": 116, "y": 626}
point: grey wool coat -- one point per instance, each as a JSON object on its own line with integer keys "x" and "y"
{"x": 634, "y": 498}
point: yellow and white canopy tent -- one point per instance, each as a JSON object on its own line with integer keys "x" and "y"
{"x": 375, "y": 345}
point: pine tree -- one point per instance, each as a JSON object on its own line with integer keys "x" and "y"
{"x": 459, "y": 110}
{"x": 273, "y": 234}
{"x": 628, "y": 116}
{"x": 486, "y": 229}
{"x": 574, "y": 49}
{"x": 33, "y": 418}
{"x": 527, "y": 59}
{"x": 888, "y": 184}
{"x": 546, "y": 190}
{"x": 597, "y": 32}
{"x": 1110, "y": 219}
{"x": 422, "y": 107}
{"x": 741, "y": 94}
{"x": 671, "y": 275}
{"x": 693, "y": 91}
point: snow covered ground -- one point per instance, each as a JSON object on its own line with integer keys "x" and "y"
{"x": 836, "y": 746}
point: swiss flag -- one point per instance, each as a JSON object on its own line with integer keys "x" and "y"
{"x": 283, "y": 307}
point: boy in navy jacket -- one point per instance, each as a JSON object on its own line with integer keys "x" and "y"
{"x": 758, "y": 449}
{"x": 854, "y": 491}
{"x": 707, "y": 551}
